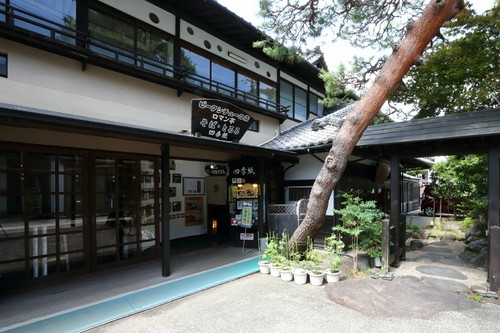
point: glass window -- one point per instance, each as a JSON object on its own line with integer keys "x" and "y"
{"x": 108, "y": 31}
{"x": 313, "y": 104}
{"x": 300, "y": 105}
{"x": 2, "y": 11}
{"x": 286, "y": 96}
{"x": 3, "y": 65}
{"x": 54, "y": 15}
{"x": 267, "y": 93}
{"x": 156, "y": 48}
{"x": 196, "y": 67}
{"x": 321, "y": 107}
{"x": 247, "y": 88}
{"x": 254, "y": 126}
{"x": 224, "y": 75}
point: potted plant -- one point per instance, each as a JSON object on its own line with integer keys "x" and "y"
{"x": 286, "y": 271}
{"x": 300, "y": 273}
{"x": 316, "y": 276}
{"x": 274, "y": 252}
{"x": 334, "y": 248}
{"x": 313, "y": 259}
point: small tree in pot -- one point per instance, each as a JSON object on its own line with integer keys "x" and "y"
{"x": 334, "y": 248}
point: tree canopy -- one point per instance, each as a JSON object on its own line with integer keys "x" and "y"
{"x": 295, "y": 20}
{"x": 464, "y": 178}
{"x": 461, "y": 74}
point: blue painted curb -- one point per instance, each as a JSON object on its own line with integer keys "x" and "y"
{"x": 100, "y": 313}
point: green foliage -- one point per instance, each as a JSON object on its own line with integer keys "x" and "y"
{"x": 359, "y": 217}
{"x": 272, "y": 252}
{"x": 311, "y": 256}
{"x": 466, "y": 178}
{"x": 335, "y": 91}
{"x": 334, "y": 248}
{"x": 371, "y": 240}
{"x": 411, "y": 229}
{"x": 461, "y": 74}
{"x": 475, "y": 297}
{"x": 280, "y": 252}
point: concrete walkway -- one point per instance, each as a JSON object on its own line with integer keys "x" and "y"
{"x": 420, "y": 295}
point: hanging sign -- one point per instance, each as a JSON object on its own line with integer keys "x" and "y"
{"x": 216, "y": 169}
{"x": 218, "y": 119}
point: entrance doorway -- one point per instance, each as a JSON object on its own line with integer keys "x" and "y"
{"x": 68, "y": 211}
{"x": 124, "y": 208}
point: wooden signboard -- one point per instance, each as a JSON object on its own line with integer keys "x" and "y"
{"x": 218, "y": 119}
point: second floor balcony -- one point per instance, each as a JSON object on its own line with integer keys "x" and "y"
{"x": 171, "y": 64}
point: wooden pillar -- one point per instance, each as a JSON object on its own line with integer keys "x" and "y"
{"x": 395, "y": 206}
{"x": 165, "y": 212}
{"x": 493, "y": 215}
{"x": 386, "y": 242}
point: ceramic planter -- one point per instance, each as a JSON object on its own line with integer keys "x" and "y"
{"x": 264, "y": 266}
{"x": 316, "y": 278}
{"x": 300, "y": 276}
{"x": 286, "y": 275}
{"x": 275, "y": 271}
{"x": 332, "y": 277}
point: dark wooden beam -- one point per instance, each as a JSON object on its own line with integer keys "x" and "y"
{"x": 395, "y": 205}
{"x": 165, "y": 214}
{"x": 493, "y": 215}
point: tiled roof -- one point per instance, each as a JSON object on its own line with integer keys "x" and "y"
{"x": 310, "y": 133}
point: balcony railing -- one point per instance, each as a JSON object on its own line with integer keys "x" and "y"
{"x": 20, "y": 20}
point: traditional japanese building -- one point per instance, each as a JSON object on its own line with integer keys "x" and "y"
{"x": 127, "y": 124}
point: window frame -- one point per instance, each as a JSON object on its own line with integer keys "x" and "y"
{"x": 6, "y": 72}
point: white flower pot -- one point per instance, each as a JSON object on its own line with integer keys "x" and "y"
{"x": 264, "y": 267}
{"x": 332, "y": 277}
{"x": 300, "y": 276}
{"x": 286, "y": 275}
{"x": 315, "y": 278}
{"x": 275, "y": 271}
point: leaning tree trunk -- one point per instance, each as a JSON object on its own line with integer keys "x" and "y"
{"x": 418, "y": 36}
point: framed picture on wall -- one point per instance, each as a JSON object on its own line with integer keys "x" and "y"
{"x": 193, "y": 186}
{"x": 176, "y": 206}
{"x": 194, "y": 209}
{"x": 176, "y": 178}
{"x": 173, "y": 191}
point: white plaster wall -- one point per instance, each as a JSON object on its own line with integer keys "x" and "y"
{"x": 42, "y": 80}
{"x": 177, "y": 225}
{"x": 308, "y": 168}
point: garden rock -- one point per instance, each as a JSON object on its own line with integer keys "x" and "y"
{"x": 478, "y": 245}
{"x": 416, "y": 243}
{"x": 474, "y": 231}
{"x": 421, "y": 234}
{"x": 378, "y": 297}
{"x": 449, "y": 237}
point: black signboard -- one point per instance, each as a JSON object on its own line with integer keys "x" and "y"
{"x": 243, "y": 172}
{"x": 218, "y": 119}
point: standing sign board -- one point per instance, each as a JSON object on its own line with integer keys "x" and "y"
{"x": 218, "y": 119}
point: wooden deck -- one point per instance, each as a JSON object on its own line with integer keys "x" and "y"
{"x": 29, "y": 306}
